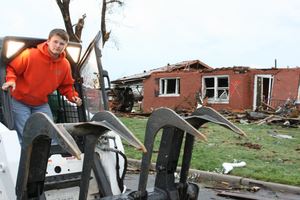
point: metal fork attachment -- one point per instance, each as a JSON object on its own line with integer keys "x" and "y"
{"x": 173, "y": 127}
{"x": 173, "y": 135}
{"x": 38, "y": 132}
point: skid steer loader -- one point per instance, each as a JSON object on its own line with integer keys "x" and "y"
{"x": 88, "y": 161}
{"x": 64, "y": 167}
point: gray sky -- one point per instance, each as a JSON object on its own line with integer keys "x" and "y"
{"x": 148, "y": 34}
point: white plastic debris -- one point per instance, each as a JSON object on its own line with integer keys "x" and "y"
{"x": 227, "y": 167}
{"x": 283, "y": 136}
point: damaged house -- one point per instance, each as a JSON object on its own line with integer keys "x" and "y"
{"x": 183, "y": 85}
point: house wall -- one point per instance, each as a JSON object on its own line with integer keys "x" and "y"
{"x": 241, "y": 88}
{"x": 285, "y": 85}
{"x": 189, "y": 86}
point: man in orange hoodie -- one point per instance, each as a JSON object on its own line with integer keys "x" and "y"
{"x": 36, "y": 73}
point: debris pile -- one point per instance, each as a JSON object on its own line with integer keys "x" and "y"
{"x": 287, "y": 114}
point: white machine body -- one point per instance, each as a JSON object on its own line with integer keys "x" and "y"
{"x": 57, "y": 165}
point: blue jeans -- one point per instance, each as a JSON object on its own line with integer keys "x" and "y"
{"x": 21, "y": 112}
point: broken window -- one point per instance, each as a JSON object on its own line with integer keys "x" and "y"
{"x": 169, "y": 86}
{"x": 216, "y": 89}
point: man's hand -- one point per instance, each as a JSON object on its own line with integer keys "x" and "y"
{"x": 6, "y": 85}
{"x": 77, "y": 100}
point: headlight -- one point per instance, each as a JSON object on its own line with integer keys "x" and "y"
{"x": 74, "y": 50}
{"x": 12, "y": 47}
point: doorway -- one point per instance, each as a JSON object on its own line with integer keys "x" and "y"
{"x": 263, "y": 85}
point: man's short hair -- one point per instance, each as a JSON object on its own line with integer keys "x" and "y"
{"x": 60, "y": 32}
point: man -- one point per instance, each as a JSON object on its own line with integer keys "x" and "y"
{"x": 36, "y": 73}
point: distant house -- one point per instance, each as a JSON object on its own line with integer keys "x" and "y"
{"x": 180, "y": 85}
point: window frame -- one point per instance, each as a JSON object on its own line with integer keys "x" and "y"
{"x": 216, "y": 98}
{"x": 163, "y": 87}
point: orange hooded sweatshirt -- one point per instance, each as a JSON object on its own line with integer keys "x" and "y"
{"x": 37, "y": 75}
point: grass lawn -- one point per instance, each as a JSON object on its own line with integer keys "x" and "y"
{"x": 267, "y": 158}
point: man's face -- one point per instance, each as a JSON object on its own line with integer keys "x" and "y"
{"x": 56, "y": 45}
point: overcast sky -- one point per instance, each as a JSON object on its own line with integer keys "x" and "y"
{"x": 148, "y": 34}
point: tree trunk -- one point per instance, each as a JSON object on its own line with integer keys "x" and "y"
{"x": 65, "y": 11}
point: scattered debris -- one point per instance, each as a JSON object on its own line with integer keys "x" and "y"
{"x": 256, "y": 115}
{"x": 227, "y": 167}
{"x": 280, "y": 136}
{"x": 243, "y": 121}
{"x": 250, "y": 145}
{"x": 233, "y": 187}
{"x": 241, "y": 196}
{"x": 253, "y": 189}
{"x": 267, "y": 119}
{"x": 287, "y": 114}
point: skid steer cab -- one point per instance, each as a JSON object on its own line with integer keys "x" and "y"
{"x": 40, "y": 170}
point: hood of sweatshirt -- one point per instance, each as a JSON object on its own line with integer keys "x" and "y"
{"x": 43, "y": 47}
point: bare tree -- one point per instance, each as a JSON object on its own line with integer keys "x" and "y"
{"x": 65, "y": 11}
{"x": 76, "y": 36}
{"x": 105, "y": 4}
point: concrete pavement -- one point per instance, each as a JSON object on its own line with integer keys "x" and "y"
{"x": 199, "y": 175}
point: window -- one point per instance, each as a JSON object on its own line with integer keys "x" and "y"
{"x": 169, "y": 87}
{"x": 216, "y": 89}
